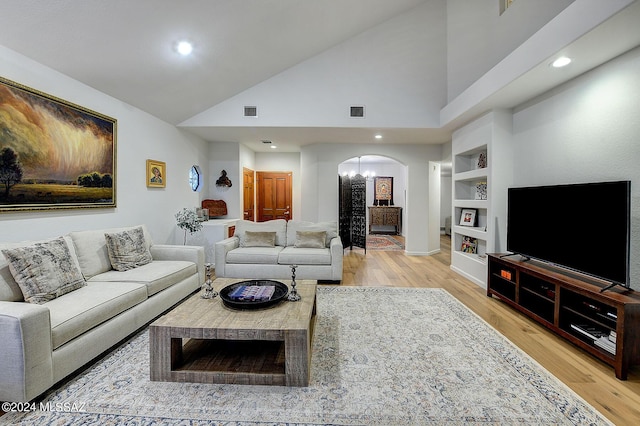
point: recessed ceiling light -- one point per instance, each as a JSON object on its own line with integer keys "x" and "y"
{"x": 378, "y": 136}
{"x": 562, "y": 61}
{"x": 184, "y": 48}
{"x": 273, "y": 147}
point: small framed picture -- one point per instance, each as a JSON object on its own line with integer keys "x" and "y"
{"x": 156, "y": 174}
{"x": 468, "y": 217}
{"x": 469, "y": 245}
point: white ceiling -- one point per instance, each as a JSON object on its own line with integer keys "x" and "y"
{"x": 125, "y": 48}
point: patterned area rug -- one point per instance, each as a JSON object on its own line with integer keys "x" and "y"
{"x": 383, "y": 242}
{"x": 381, "y": 356}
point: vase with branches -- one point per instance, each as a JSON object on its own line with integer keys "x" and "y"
{"x": 188, "y": 220}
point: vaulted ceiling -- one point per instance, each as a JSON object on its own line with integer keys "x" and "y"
{"x": 126, "y": 49}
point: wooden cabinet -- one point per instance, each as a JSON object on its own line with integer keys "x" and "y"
{"x": 605, "y": 324}
{"x": 385, "y": 219}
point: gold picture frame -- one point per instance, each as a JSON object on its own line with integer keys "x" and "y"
{"x": 53, "y": 154}
{"x": 156, "y": 174}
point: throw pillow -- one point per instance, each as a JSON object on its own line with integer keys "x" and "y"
{"x": 310, "y": 239}
{"x": 259, "y": 239}
{"x": 44, "y": 270}
{"x": 127, "y": 249}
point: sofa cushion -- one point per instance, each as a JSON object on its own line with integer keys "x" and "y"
{"x": 9, "y": 289}
{"x": 279, "y": 226}
{"x": 44, "y": 270}
{"x": 293, "y": 226}
{"x": 304, "y": 256}
{"x": 77, "y": 312}
{"x": 259, "y": 239}
{"x": 257, "y": 255}
{"x": 127, "y": 249}
{"x": 310, "y": 239}
{"x": 156, "y": 276}
{"x": 91, "y": 248}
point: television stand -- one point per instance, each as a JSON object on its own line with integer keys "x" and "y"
{"x": 606, "y": 325}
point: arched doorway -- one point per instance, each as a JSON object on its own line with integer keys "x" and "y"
{"x": 391, "y": 179}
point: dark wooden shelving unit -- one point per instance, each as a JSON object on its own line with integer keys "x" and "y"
{"x": 573, "y": 306}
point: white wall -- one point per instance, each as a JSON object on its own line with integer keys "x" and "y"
{"x": 397, "y": 70}
{"x": 140, "y": 136}
{"x": 227, "y": 156}
{"x": 586, "y": 131}
{"x": 446, "y": 196}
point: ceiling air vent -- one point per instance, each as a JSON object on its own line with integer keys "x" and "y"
{"x": 250, "y": 111}
{"x": 357, "y": 111}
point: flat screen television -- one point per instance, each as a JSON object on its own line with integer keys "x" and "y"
{"x": 583, "y": 227}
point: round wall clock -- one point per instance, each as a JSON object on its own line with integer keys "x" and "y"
{"x": 195, "y": 178}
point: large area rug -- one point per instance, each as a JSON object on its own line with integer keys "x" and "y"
{"x": 383, "y": 242}
{"x": 381, "y": 356}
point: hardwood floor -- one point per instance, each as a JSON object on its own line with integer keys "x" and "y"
{"x": 593, "y": 380}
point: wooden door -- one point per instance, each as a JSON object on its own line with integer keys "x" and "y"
{"x": 248, "y": 194}
{"x": 273, "y": 194}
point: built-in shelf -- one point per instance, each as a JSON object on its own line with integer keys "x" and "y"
{"x": 480, "y": 178}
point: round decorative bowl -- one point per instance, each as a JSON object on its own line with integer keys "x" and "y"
{"x": 279, "y": 294}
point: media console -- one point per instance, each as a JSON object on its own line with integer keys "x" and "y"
{"x": 607, "y": 325}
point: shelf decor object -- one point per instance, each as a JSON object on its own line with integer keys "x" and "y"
{"x": 481, "y": 176}
{"x": 469, "y": 245}
{"x": 468, "y": 217}
{"x": 481, "y": 191}
{"x": 57, "y": 155}
{"x": 156, "y": 174}
{"x": 482, "y": 160}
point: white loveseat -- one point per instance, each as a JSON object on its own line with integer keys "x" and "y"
{"x": 250, "y": 254}
{"x": 44, "y": 342}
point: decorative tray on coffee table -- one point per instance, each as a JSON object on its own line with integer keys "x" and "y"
{"x": 232, "y": 299}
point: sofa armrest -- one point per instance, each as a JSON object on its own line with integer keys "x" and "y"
{"x": 222, "y": 248}
{"x": 337, "y": 253}
{"x": 193, "y": 254}
{"x": 26, "y": 362}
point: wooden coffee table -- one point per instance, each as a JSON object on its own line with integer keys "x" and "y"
{"x": 204, "y": 341}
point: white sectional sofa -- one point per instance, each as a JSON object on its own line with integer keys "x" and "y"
{"x": 268, "y": 249}
{"x": 46, "y": 340}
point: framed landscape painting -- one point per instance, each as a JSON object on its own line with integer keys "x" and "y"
{"x": 53, "y": 154}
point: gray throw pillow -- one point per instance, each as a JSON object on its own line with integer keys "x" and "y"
{"x": 310, "y": 239}
{"x": 44, "y": 270}
{"x": 127, "y": 249}
{"x": 259, "y": 239}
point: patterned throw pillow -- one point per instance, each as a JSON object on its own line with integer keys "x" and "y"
{"x": 127, "y": 249}
{"x": 44, "y": 271}
{"x": 310, "y": 239}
